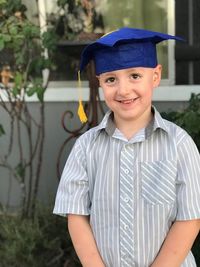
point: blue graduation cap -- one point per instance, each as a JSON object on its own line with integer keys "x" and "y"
{"x": 124, "y": 48}
{"x": 121, "y": 49}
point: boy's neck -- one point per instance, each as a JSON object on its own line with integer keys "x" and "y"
{"x": 130, "y": 127}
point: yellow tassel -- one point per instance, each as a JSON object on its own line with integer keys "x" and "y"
{"x": 81, "y": 112}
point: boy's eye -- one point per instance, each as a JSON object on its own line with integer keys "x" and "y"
{"x": 110, "y": 80}
{"x": 135, "y": 76}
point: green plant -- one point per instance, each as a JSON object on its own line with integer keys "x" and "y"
{"x": 22, "y": 76}
{"x": 188, "y": 118}
{"x": 39, "y": 242}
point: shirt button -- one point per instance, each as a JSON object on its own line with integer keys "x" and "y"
{"x": 126, "y": 171}
{"x": 126, "y": 227}
{"x": 126, "y": 199}
{"x": 126, "y": 257}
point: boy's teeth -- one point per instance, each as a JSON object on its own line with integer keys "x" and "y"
{"x": 127, "y": 101}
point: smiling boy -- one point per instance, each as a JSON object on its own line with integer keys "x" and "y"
{"x": 131, "y": 186}
{"x": 128, "y": 93}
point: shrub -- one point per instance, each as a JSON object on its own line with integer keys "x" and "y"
{"x": 188, "y": 118}
{"x": 40, "y": 242}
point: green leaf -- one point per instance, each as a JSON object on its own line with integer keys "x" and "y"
{"x": 38, "y": 81}
{"x": 6, "y": 37}
{"x": 2, "y": 44}
{"x": 36, "y": 88}
{"x": 50, "y": 39}
{"x": 13, "y": 30}
{"x": 40, "y": 93}
{"x": 19, "y": 57}
{"x": 2, "y": 131}
{"x": 31, "y": 91}
{"x": 16, "y": 91}
{"x": 192, "y": 121}
{"x": 20, "y": 170}
{"x": 37, "y": 65}
{"x": 18, "y": 79}
{"x": 35, "y": 31}
{"x": 3, "y": 2}
{"x": 18, "y": 41}
{"x": 31, "y": 31}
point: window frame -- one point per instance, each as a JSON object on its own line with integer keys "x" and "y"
{"x": 171, "y": 44}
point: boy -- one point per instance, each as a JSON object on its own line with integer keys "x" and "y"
{"x": 131, "y": 185}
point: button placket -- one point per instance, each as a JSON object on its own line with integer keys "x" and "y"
{"x": 126, "y": 205}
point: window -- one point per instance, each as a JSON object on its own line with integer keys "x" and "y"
{"x": 153, "y": 15}
{"x": 101, "y": 16}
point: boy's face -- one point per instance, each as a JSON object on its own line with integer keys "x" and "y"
{"x": 128, "y": 92}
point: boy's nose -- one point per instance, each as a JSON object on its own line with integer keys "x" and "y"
{"x": 124, "y": 88}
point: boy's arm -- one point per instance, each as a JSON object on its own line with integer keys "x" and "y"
{"x": 177, "y": 244}
{"x": 83, "y": 241}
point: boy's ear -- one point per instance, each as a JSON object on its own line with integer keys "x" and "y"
{"x": 157, "y": 75}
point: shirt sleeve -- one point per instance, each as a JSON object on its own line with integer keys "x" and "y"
{"x": 188, "y": 180}
{"x": 73, "y": 191}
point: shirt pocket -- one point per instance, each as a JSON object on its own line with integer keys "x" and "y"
{"x": 158, "y": 181}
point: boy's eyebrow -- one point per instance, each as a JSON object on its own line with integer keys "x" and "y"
{"x": 110, "y": 73}
{"x": 106, "y": 74}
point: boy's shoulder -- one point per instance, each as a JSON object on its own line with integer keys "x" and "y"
{"x": 176, "y": 132}
{"x": 91, "y": 134}
{"x": 85, "y": 142}
{"x": 172, "y": 126}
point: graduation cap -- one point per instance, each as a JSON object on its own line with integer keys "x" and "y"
{"x": 124, "y": 48}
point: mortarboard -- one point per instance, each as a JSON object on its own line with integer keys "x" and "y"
{"x": 121, "y": 49}
{"x": 124, "y": 48}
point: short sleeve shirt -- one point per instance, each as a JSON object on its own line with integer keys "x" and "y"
{"x": 133, "y": 190}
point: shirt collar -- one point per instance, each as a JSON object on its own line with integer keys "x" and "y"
{"x": 157, "y": 122}
{"x": 107, "y": 122}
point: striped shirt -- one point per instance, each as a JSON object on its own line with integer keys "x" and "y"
{"x": 133, "y": 190}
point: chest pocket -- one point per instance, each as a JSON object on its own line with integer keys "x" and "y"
{"x": 158, "y": 181}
